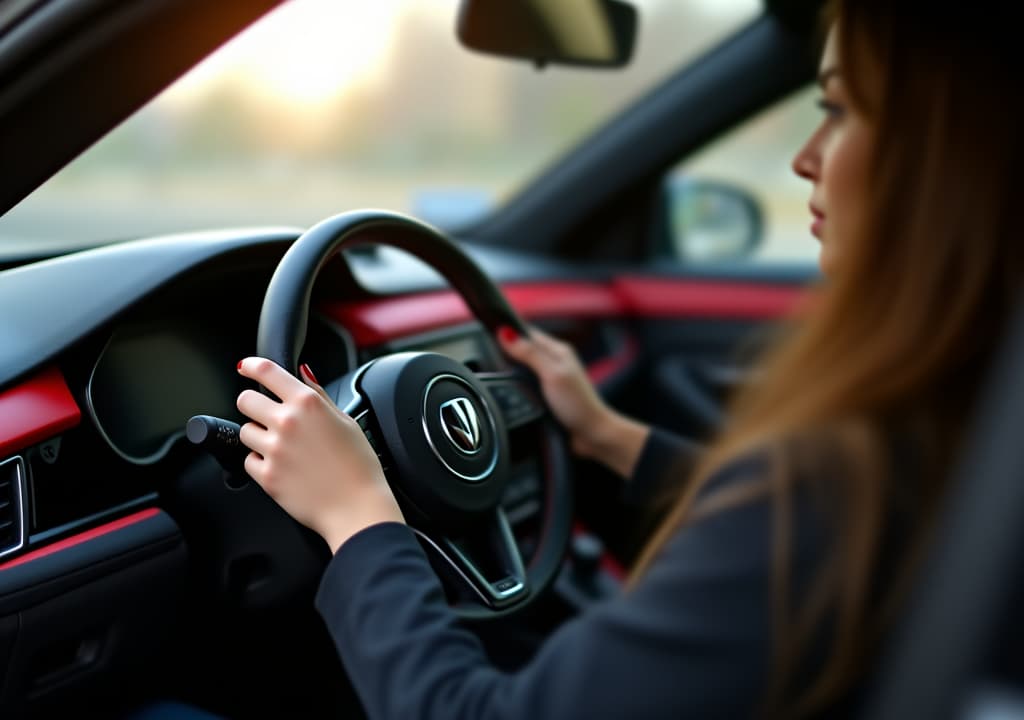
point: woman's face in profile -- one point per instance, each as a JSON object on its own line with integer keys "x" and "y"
{"x": 835, "y": 159}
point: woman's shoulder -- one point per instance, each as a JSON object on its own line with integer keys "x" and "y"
{"x": 792, "y": 498}
{"x": 748, "y": 505}
{"x": 815, "y": 467}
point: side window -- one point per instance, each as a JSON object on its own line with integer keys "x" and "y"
{"x": 739, "y": 200}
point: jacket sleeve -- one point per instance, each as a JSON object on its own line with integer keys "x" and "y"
{"x": 665, "y": 461}
{"x": 691, "y": 640}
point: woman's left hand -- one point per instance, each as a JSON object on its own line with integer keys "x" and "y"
{"x": 310, "y": 457}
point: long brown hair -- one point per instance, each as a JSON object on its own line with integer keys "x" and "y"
{"x": 871, "y": 388}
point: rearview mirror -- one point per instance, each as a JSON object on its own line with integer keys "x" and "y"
{"x": 598, "y": 33}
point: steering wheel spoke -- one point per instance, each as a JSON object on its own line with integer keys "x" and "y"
{"x": 515, "y": 398}
{"x": 486, "y": 559}
{"x": 345, "y": 393}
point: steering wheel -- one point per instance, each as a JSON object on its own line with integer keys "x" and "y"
{"x": 441, "y": 430}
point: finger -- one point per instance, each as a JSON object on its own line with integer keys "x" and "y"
{"x": 257, "y": 406}
{"x": 254, "y": 467}
{"x": 256, "y": 438}
{"x": 548, "y": 344}
{"x": 310, "y": 379}
{"x": 533, "y": 333}
{"x": 271, "y": 376}
{"x": 545, "y": 344}
{"x": 519, "y": 348}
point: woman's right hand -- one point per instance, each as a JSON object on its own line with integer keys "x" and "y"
{"x": 596, "y": 431}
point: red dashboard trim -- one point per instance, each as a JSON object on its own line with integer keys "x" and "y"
{"x": 565, "y": 299}
{"x": 373, "y": 322}
{"x": 35, "y": 410}
{"x": 83, "y": 537}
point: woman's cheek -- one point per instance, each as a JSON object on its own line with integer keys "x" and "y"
{"x": 845, "y": 178}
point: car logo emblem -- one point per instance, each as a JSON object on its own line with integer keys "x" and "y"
{"x": 461, "y": 425}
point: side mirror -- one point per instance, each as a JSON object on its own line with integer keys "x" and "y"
{"x": 708, "y": 221}
{"x": 597, "y": 33}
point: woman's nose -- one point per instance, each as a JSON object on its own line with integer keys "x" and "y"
{"x": 806, "y": 162}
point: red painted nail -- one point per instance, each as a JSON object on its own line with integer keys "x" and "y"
{"x": 305, "y": 368}
{"x": 240, "y": 364}
{"x": 507, "y": 334}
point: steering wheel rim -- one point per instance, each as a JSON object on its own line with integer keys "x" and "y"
{"x": 285, "y": 312}
{"x": 282, "y": 332}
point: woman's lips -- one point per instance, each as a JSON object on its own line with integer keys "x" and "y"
{"x": 817, "y": 223}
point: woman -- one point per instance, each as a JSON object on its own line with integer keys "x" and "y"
{"x": 782, "y": 563}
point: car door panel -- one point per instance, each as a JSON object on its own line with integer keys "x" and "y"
{"x": 699, "y": 336}
{"x": 98, "y": 605}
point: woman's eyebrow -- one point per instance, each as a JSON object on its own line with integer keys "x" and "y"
{"x": 825, "y": 75}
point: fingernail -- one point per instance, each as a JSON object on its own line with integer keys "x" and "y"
{"x": 507, "y": 334}
{"x": 240, "y": 364}
{"x": 309, "y": 373}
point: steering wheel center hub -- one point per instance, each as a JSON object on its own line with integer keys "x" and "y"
{"x": 460, "y": 428}
{"x": 450, "y": 449}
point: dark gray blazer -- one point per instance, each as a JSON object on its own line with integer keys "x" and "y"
{"x": 691, "y": 640}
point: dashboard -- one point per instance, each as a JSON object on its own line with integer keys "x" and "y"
{"x": 110, "y": 512}
{"x": 146, "y": 335}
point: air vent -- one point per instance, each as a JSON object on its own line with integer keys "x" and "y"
{"x": 12, "y": 505}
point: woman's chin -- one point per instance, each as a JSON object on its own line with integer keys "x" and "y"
{"x": 826, "y": 260}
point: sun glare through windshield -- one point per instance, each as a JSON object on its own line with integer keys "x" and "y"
{"x": 325, "y": 106}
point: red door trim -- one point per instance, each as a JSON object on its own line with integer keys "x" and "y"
{"x": 668, "y": 297}
{"x": 608, "y": 367}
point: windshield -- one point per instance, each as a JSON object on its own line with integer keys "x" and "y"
{"x": 325, "y": 106}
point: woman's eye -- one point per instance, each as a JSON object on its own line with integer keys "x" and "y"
{"x": 831, "y": 109}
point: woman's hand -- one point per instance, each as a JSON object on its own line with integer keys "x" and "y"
{"x": 310, "y": 457}
{"x": 596, "y": 431}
